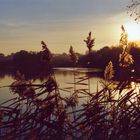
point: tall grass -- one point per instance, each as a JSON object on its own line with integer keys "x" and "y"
{"x": 40, "y": 111}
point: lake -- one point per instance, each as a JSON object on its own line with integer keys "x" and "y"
{"x": 33, "y": 116}
{"x": 64, "y": 78}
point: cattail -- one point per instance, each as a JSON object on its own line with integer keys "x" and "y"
{"x": 124, "y": 37}
{"x": 46, "y": 54}
{"x": 73, "y": 55}
{"x": 44, "y": 46}
{"x": 125, "y": 58}
{"x": 109, "y": 71}
{"x": 89, "y": 42}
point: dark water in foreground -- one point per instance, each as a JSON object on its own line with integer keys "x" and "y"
{"x": 64, "y": 78}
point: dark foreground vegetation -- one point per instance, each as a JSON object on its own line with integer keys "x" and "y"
{"x": 41, "y": 112}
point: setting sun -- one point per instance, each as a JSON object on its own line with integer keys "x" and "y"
{"x": 133, "y": 31}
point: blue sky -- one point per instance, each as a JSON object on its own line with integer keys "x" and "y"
{"x": 60, "y": 23}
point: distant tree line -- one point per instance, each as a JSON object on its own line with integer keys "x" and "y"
{"x": 31, "y": 61}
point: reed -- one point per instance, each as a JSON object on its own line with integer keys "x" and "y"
{"x": 40, "y": 111}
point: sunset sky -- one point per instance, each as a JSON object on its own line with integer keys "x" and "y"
{"x": 61, "y": 23}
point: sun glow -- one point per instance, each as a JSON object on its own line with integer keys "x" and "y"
{"x": 133, "y": 31}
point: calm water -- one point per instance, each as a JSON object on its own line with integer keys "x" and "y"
{"x": 64, "y": 78}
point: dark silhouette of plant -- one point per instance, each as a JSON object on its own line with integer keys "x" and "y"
{"x": 46, "y": 54}
{"x": 73, "y": 56}
{"x": 89, "y": 42}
